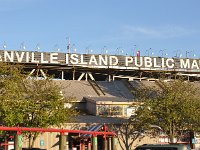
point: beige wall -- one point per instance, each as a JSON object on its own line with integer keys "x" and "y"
{"x": 51, "y": 139}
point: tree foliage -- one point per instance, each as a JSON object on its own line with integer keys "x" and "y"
{"x": 31, "y": 102}
{"x": 174, "y": 108}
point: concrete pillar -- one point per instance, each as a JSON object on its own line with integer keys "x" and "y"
{"x": 62, "y": 78}
{"x": 105, "y": 144}
{"x": 67, "y": 141}
{"x": 74, "y": 74}
{"x": 109, "y": 77}
{"x": 89, "y": 145}
{"x": 86, "y": 76}
{"x": 63, "y": 142}
{"x": 114, "y": 143}
{"x": 82, "y": 145}
{"x": 94, "y": 143}
{"x": 109, "y": 143}
{"x": 18, "y": 141}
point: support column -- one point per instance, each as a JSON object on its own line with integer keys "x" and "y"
{"x": 66, "y": 141}
{"x": 18, "y": 141}
{"x": 114, "y": 143}
{"x": 62, "y": 142}
{"x": 89, "y": 145}
{"x": 105, "y": 144}
{"x": 94, "y": 143}
{"x": 86, "y": 76}
{"x": 109, "y": 78}
{"x": 82, "y": 145}
{"x": 109, "y": 143}
{"x": 62, "y": 75}
{"x": 73, "y": 73}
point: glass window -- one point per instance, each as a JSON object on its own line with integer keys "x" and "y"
{"x": 109, "y": 110}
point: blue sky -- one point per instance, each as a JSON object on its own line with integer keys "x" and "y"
{"x": 155, "y": 27}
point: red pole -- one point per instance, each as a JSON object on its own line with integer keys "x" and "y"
{"x": 19, "y": 129}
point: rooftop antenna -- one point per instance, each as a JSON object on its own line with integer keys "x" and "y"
{"x": 68, "y": 45}
{"x": 4, "y": 46}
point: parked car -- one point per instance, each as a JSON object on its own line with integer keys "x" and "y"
{"x": 163, "y": 147}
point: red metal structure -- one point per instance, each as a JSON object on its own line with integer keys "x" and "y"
{"x": 20, "y": 129}
{"x": 62, "y": 132}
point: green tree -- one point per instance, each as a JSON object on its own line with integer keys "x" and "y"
{"x": 127, "y": 133}
{"x": 132, "y": 130}
{"x": 174, "y": 108}
{"x": 31, "y": 102}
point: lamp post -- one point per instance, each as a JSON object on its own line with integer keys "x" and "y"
{"x": 163, "y": 52}
{"x": 148, "y": 51}
{"x": 119, "y": 50}
{"x": 178, "y": 53}
{"x": 186, "y": 54}
{"x": 104, "y": 50}
{"x": 37, "y": 47}
{"x": 22, "y": 46}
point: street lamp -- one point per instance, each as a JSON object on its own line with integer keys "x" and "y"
{"x": 4, "y": 45}
{"x": 119, "y": 50}
{"x": 188, "y": 54}
{"x": 104, "y": 50}
{"x": 22, "y": 46}
{"x": 178, "y": 53}
{"x": 56, "y": 47}
{"x": 162, "y": 52}
{"x": 148, "y": 51}
{"x": 37, "y": 47}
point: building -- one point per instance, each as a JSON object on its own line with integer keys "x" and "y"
{"x": 103, "y": 85}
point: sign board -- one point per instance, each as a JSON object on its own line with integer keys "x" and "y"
{"x": 101, "y": 61}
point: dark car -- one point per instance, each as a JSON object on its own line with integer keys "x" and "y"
{"x": 163, "y": 147}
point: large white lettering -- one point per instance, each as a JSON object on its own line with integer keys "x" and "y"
{"x": 113, "y": 61}
{"x": 194, "y": 65}
{"x": 92, "y": 60}
{"x": 155, "y": 63}
{"x": 82, "y": 60}
{"x": 185, "y": 63}
{"x": 42, "y": 58}
{"x": 74, "y": 59}
{"x": 19, "y": 56}
{"x": 140, "y": 61}
{"x": 54, "y": 58}
{"x": 8, "y": 56}
{"x": 128, "y": 60}
{"x": 103, "y": 60}
{"x": 170, "y": 63}
{"x": 147, "y": 62}
{"x": 33, "y": 60}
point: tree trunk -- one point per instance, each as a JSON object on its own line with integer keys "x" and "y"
{"x": 29, "y": 141}
{"x": 32, "y": 138}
